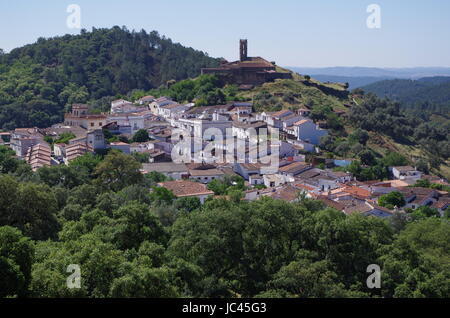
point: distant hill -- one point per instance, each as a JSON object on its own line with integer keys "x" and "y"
{"x": 412, "y": 73}
{"x": 362, "y": 76}
{"x": 38, "y": 80}
{"x": 430, "y": 92}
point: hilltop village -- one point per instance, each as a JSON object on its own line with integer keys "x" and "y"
{"x": 157, "y": 118}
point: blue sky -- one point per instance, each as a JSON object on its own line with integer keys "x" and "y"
{"x": 311, "y": 33}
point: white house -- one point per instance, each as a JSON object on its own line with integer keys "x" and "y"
{"x": 162, "y": 101}
{"x": 255, "y": 179}
{"x": 123, "y": 106}
{"x": 205, "y": 175}
{"x": 274, "y": 119}
{"x": 405, "y": 172}
{"x": 174, "y": 110}
{"x": 308, "y": 131}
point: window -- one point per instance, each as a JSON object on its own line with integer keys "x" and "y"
{"x": 92, "y": 124}
{"x": 100, "y": 123}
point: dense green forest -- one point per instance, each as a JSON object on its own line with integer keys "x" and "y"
{"x": 423, "y": 96}
{"x": 386, "y": 117}
{"x": 39, "y": 81}
{"x": 98, "y": 213}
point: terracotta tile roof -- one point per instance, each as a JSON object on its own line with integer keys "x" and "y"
{"x": 301, "y": 122}
{"x": 418, "y": 191}
{"x": 282, "y": 113}
{"x": 331, "y": 203}
{"x": 442, "y": 203}
{"x": 255, "y": 125}
{"x": 358, "y": 207}
{"x": 251, "y": 166}
{"x": 295, "y": 167}
{"x": 287, "y": 193}
{"x": 76, "y": 150}
{"x": 184, "y": 188}
{"x": 360, "y": 192}
{"x": 38, "y": 156}
{"x": 304, "y": 186}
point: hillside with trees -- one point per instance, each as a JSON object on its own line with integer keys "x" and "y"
{"x": 41, "y": 80}
{"x": 426, "y": 95}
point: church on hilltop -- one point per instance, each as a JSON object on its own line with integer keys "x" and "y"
{"x": 248, "y": 70}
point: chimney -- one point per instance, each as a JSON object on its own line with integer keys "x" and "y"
{"x": 243, "y": 50}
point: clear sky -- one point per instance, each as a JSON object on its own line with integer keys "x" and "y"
{"x": 311, "y": 33}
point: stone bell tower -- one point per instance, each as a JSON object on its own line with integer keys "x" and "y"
{"x": 243, "y": 50}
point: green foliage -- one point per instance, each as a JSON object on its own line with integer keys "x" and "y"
{"x": 162, "y": 196}
{"x": 64, "y": 138}
{"x": 226, "y": 184}
{"x": 360, "y": 136}
{"x": 140, "y": 136}
{"x": 204, "y": 90}
{"x": 416, "y": 264}
{"x": 16, "y": 258}
{"x": 423, "y": 96}
{"x": 141, "y": 157}
{"x": 424, "y": 212}
{"x": 188, "y": 204}
{"x": 392, "y": 199}
{"x": 394, "y": 159}
{"x": 8, "y": 162}
{"x": 62, "y": 175}
{"x": 117, "y": 171}
{"x": 306, "y": 279}
{"x": 272, "y": 234}
{"x": 87, "y": 162}
{"x": 29, "y": 207}
{"x": 134, "y": 224}
{"x": 377, "y": 172}
{"x": 386, "y": 117}
{"x": 425, "y": 183}
{"x": 155, "y": 177}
